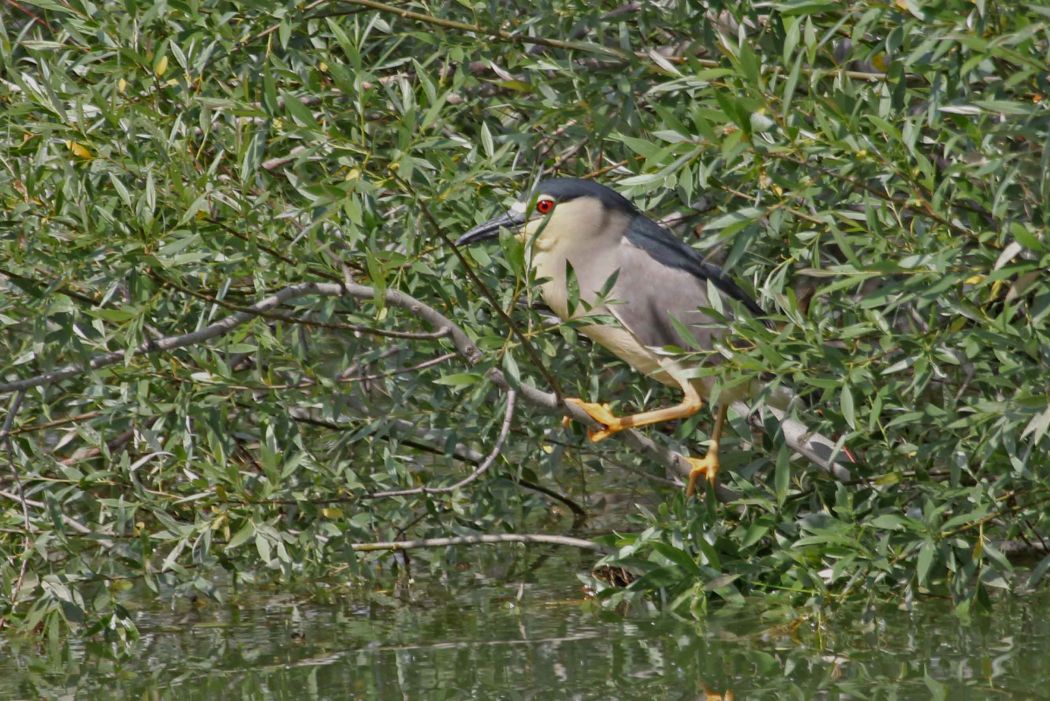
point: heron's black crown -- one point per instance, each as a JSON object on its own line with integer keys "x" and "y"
{"x": 565, "y": 189}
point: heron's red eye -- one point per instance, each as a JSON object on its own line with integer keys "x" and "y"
{"x": 544, "y": 206}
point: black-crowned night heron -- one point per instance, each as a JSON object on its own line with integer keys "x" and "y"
{"x": 635, "y": 271}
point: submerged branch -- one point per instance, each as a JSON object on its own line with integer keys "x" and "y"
{"x": 481, "y": 540}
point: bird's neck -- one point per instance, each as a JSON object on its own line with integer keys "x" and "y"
{"x": 553, "y": 249}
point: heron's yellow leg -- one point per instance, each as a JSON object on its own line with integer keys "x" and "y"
{"x": 707, "y": 465}
{"x": 613, "y": 423}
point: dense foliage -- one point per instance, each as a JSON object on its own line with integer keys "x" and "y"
{"x": 877, "y": 173}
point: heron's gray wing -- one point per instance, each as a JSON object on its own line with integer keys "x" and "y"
{"x": 674, "y": 253}
{"x": 651, "y": 291}
{"x": 648, "y": 295}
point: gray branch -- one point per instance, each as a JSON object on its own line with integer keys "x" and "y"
{"x": 818, "y": 449}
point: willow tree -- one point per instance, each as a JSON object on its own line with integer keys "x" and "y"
{"x": 237, "y": 339}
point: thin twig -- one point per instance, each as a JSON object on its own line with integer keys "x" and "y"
{"x": 485, "y": 31}
{"x": 66, "y": 520}
{"x": 288, "y": 318}
{"x": 581, "y": 31}
{"x": 401, "y": 371}
{"x": 508, "y": 416}
{"x": 578, "y": 512}
{"x": 89, "y": 453}
{"x": 54, "y": 285}
{"x": 927, "y": 208}
{"x": 304, "y": 384}
{"x": 429, "y": 440}
{"x": 621, "y": 56}
{"x": 5, "y": 438}
{"x": 57, "y": 422}
{"x": 603, "y": 170}
{"x": 526, "y": 344}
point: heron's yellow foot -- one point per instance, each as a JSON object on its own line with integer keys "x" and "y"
{"x": 601, "y": 413}
{"x": 706, "y": 466}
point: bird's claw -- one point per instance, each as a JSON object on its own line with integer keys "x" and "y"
{"x": 601, "y": 413}
{"x": 706, "y": 466}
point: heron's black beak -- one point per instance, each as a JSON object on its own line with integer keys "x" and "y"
{"x": 490, "y": 229}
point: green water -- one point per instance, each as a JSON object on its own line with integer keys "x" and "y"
{"x": 516, "y": 625}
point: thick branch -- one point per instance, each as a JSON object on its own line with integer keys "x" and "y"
{"x": 288, "y": 318}
{"x": 815, "y": 447}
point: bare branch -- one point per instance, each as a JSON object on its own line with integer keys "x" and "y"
{"x": 172, "y": 342}
{"x": 429, "y": 363}
{"x": 581, "y": 31}
{"x": 57, "y": 422}
{"x": 76, "y": 525}
{"x": 87, "y": 453}
{"x": 578, "y": 512}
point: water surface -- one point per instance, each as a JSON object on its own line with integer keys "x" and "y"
{"x": 515, "y": 624}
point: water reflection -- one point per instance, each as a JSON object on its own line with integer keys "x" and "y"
{"x": 533, "y": 636}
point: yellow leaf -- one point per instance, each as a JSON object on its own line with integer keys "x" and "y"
{"x": 515, "y": 85}
{"x": 888, "y": 479}
{"x": 996, "y": 290}
{"x": 120, "y": 585}
{"x": 974, "y": 279}
{"x": 332, "y": 512}
{"x": 79, "y": 150}
{"x": 162, "y": 66}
